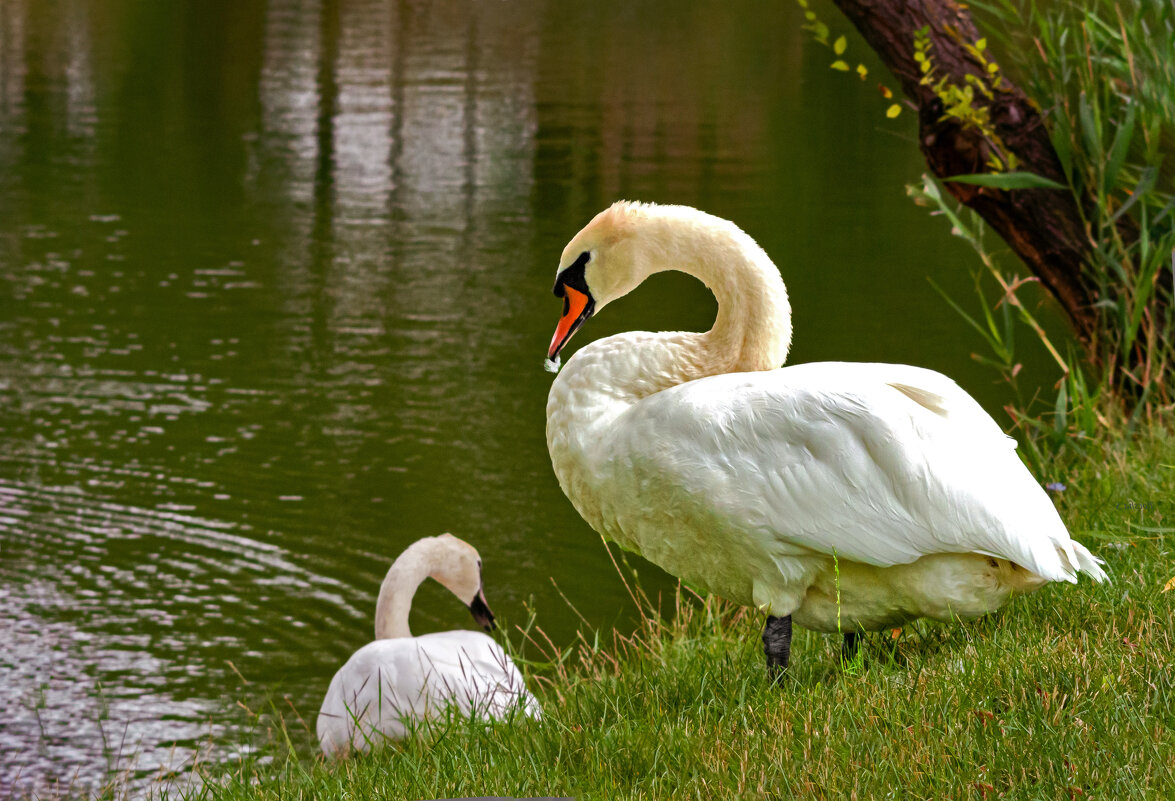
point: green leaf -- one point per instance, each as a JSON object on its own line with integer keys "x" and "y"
{"x": 981, "y": 45}
{"x": 1108, "y": 536}
{"x": 1008, "y": 180}
{"x": 1154, "y": 529}
{"x": 839, "y": 45}
{"x": 1118, "y": 150}
{"x": 1061, "y": 410}
{"x": 1062, "y": 143}
{"x": 1166, "y": 210}
{"x": 1145, "y": 183}
{"x": 1090, "y": 124}
{"x": 840, "y": 65}
{"x": 987, "y": 362}
{"x": 992, "y": 342}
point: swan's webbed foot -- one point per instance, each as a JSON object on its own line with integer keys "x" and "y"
{"x": 777, "y": 646}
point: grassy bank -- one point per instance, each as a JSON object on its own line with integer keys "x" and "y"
{"x": 1064, "y": 694}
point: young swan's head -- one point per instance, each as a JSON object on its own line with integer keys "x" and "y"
{"x": 457, "y": 566}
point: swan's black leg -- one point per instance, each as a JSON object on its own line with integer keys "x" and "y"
{"x": 851, "y": 645}
{"x": 777, "y": 645}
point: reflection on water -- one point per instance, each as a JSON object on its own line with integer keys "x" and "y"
{"x": 275, "y": 289}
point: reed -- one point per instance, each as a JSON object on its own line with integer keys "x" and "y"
{"x": 1102, "y": 71}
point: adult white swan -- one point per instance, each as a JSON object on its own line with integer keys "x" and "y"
{"x": 399, "y": 678}
{"x": 780, "y": 487}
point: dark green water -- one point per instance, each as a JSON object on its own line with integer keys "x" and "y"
{"x": 275, "y": 286}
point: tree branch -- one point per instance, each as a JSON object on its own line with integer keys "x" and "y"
{"x": 1043, "y": 226}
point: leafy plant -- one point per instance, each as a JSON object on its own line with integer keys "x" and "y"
{"x": 820, "y": 32}
{"x": 1104, "y": 73}
{"x": 959, "y": 102}
{"x": 1075, "y": 410}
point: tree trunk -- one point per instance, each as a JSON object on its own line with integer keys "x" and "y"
{"x": 1042, "y": 226}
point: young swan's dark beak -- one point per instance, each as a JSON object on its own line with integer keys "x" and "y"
{"x": 481, "y": 611}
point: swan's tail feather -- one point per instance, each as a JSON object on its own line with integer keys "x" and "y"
{"x": 1077, "y": 559}
{"x": 1052, "y": 559}
{"x": 1090, "y": 564}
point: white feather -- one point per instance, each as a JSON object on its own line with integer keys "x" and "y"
{"x": 398, "y": 681}
{"x": 768, "y": 486}
{"x": 388, "y": 686}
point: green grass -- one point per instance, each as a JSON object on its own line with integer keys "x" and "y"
{"x": 1064, "y": 694}
{"x": 1103, "y": 73}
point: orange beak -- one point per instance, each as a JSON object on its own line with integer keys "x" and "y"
{"x": 577, "y": 307}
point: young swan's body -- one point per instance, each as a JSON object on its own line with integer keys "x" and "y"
{"x": 398, "y": 679}
{"x": 783, "y": 487}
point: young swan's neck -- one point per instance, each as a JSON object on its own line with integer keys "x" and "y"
{"x": 399, "y": 586}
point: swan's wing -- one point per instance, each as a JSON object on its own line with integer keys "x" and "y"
{"x": 387, "y": 683}
{"x": 471, "y": 671}
{"x": 371, "y": 696}
{"x": 877, "y": 463}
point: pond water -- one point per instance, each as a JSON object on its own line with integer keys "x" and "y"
{"x": 275, "y": 286}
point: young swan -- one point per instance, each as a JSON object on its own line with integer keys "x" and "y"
{"x": 398, "y": 679}
{"x": 850, "y": 497}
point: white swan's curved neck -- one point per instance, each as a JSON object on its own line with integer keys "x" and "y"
{"x": 396, "y": 593}
{"x": 752, "y": 330}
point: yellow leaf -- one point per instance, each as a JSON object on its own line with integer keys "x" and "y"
{"x": 982, "y": 43}
{"x": 1170, "y": 585}
{"x": 839, "y": 45}
{"x": 885, "y": 91}
{"x": 862, "y": 71}
{"x": 893, "y": 111}
{"x": 840, "y": 65}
